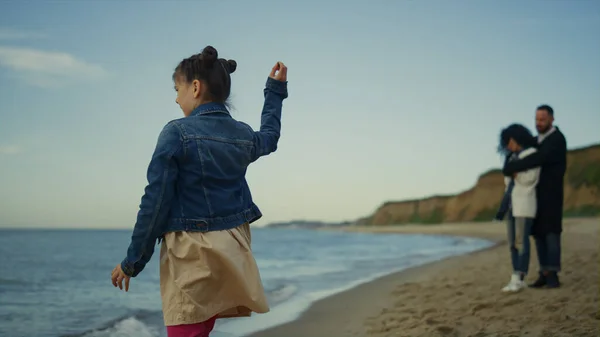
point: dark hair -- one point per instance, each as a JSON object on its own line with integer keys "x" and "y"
{"x": 209, "y": 68}
{"x": 546, "y": 108}
{"x": 519, "y": 133}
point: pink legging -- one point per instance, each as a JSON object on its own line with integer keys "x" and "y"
{"x": 192, "y": 330}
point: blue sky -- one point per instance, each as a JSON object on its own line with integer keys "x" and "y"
{"x": 388, "y": 99}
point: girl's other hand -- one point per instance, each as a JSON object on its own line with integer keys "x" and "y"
{"x": 279, "y": 72}
{"x": 118, "y": 276}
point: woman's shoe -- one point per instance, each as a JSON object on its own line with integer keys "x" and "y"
{"x": 515, "y": 284}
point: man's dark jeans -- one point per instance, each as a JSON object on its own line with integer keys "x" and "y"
{"x": 548, "y": 251}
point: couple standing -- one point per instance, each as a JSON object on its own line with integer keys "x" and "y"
{"x": 534, "y": 172}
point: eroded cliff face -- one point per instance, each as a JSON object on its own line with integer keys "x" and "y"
{"x": 582, "y": 196}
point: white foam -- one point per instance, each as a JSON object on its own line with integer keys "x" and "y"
{"x": 292, "y": 272}
{"x": 273, "y": 263}
{"x": 129, "y": 327}
{"x": 279, "y": 314}
{"x": 283, "y": 293}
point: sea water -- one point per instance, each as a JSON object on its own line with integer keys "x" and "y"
{"x": 57, "y": 282}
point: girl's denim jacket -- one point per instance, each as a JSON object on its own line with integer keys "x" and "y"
{"x": 196, "y": 177}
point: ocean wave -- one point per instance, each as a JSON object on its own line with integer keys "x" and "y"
{"x": 7, "y": 281}
{"x": 274, "y": 263}
{"x": 457, "y": 246}
{"x": 302, "y": 270}
{"x": 126, "y": 326}
{"x": 282, "y": 293}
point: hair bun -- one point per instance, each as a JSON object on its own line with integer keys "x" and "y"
{"x": 231, "y": 66}
{"x": 209, "y": 56}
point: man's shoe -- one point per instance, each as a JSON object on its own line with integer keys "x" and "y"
{"x": 540, "y": 282}
{"x": 552, "y": 280}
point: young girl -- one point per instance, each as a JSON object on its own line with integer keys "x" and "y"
{"x": 520, "y": 202}
{"x": 198, "y": 203}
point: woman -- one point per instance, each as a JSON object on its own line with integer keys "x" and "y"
{"x": 198, "y": 203}
{"x": 516, "y": 141}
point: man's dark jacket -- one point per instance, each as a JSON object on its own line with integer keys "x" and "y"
{"x": 552, "y": 158}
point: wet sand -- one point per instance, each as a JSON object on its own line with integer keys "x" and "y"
{"x": 460, "y": 296}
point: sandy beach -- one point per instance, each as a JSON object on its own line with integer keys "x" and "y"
{"x": 460, "y": 296}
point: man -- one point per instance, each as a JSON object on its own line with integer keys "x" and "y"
{"x": 552, "y": 158}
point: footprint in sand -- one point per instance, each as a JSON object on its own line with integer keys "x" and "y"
{"x": 410, "y": 285}
{"x": 431, "y": 321}
{"x": 410, "y": 311}
{"x": 428, "y": 311}
{"x": 402, "y": 319}
{"x": 399, "y": 304}
{"x": 411, "y": 297}
{"x": 481, "y": 306}
{"x": 445, "y": 330}
{"x": 479, "y": 297}
{"x": 429, "y": 296}
{"x": 511, "y": 302}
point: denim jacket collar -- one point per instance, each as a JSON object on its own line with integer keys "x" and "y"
{"x": 208, "y": 108}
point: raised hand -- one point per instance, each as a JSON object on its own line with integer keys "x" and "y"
{"x": 279, "y": 72}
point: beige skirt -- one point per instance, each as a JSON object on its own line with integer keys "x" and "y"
{"x": 209, "y": 274}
